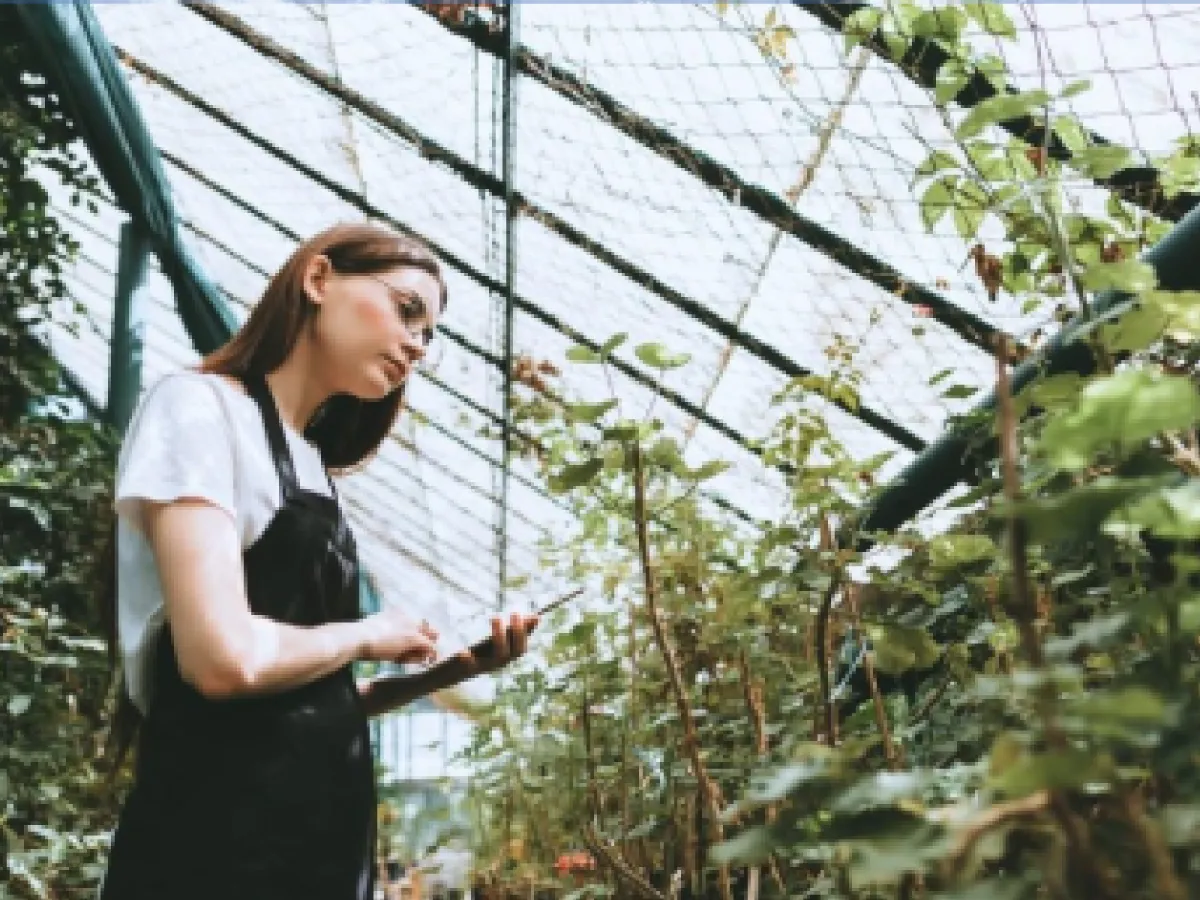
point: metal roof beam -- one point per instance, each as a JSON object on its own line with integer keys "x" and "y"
{"x": 519, "y": 301}
{"x": 517, "y": 203}
{"x": 766, "y": 204}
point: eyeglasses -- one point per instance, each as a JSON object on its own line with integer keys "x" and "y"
{"x": 414, "y": 313}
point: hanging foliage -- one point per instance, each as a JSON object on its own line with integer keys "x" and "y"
{"x": 55, "y": 471}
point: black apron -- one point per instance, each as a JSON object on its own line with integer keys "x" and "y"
{"x": 260, "y": 797}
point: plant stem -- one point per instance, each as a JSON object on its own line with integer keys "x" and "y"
{"x": 709, "y": 790}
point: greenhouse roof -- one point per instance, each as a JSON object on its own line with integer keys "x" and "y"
{"x": 669, "y": 180}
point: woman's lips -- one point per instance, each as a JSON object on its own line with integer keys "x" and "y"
{"x": 396, "y": 370}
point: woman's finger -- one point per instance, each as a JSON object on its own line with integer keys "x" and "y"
{"x": 519, "y": 635}
{"x": 500, "y": 640}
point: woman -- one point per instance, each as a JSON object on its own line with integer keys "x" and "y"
{"x": 237, "y": 613}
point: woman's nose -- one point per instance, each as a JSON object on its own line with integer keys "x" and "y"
{"x": 414, "y": 345}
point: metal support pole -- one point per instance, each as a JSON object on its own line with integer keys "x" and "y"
{"x": 949, "y": 461}
{"x": 128, "y": 326}
{"x": 509, "y": 142}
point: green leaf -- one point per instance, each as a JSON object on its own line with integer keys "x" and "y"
{"x": 575, "y": 476}
{"x": 1075, "y": 88}
{"x": 1180, "y": 173}
{"x": 588, "y": 412}
{"x": 1170, "y": 512}
{"x": 945, "y": 23}
{"x": 1180, "y": 313}
{"x": 936, "y": 162}
{"x": 860, "y": 25}
{"x": 614, "y": 458}
{"x": 897, "y": 44}
{"x": 1050, "y": 392}
{"x": 1000, "y": 108}
{"x": 583, "y": 355}
{"x": 967, "y": 220}
{"x": 959, "y": 392}
{"x": 991, "y": 18}
{"x": 659, "y": 357}
{"x": 665, "y": 453}
{"x": 1137, "y": 328}
{"x": 1081, "y": 510}
{"x": 936, "y": 201}
{"x": 1132, "y": 704}
{"x": 897, "y": 649}
{"x": 1102, "y": 160}
{"x": 1071, "y": 133}
{"x": 612, "y": 344}
{"x": 623, "y": 431}
{"x": 941, "y": 376}
{"x": 994, "y": 69}
{"x": 1119, "y": 411}
{"x": 1051, "y": 770}
{"x": 952, "y": 77}
{"x": 709, "y": 470}
{"x": 950, "y": 551}
{"x": 1130, "y": 275}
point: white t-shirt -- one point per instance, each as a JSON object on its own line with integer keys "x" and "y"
{"x": 196, "y": 436}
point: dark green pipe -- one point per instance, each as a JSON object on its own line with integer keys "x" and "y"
{"x": 1176, "y": 259}
{"x": 85, "y": 71}
{"x": 128, "y": 327}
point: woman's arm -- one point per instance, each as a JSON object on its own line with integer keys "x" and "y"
{"x": 223, "y": 649}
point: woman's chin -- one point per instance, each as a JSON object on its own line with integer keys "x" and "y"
{"x": 373, "y": 386}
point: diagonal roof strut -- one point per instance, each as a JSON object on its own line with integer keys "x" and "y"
{"x": 518, "y": 204}
{"x": 912, "y": 441}
{"x": 764, "y": 203}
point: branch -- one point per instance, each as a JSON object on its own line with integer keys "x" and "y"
{"x": 1168, "y": 886}
{"x": 826, "y": 704}
{"x": 930, "y": 701}
{"x": 992, "y": 818}
{"x": 758, "y": 716}
{"x": 1022, "y": 607}
{"x": 691, "y": 743}
{"x": 1101, "y": 882}
{"x": 619, "y": 867}
{"x": 1184, "y": 455}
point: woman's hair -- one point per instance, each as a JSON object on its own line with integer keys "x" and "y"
{"x": 347, "y": 431}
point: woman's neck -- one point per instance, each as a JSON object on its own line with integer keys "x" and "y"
{"x": 297, "y": 391}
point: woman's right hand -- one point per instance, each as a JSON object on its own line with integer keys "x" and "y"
{"x": 391, "y": 636}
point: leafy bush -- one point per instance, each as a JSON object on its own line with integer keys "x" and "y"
{"x": 1009, "y": 710}
{"x": 55, "y": 469}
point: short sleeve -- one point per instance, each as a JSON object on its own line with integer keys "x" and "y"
{"x": 179, "y": 446}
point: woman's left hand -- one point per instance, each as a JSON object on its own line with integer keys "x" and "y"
{"x": 510, "y": 641}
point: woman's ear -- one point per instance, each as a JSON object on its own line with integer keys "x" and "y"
{"x": 316, "y": 278}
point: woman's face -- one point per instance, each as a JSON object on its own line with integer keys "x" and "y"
{"x": 371, "y": 330}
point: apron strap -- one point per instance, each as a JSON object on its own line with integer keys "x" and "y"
{"x": 256, "y": 386}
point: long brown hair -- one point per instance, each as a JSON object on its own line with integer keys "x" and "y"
{"x": 347, "y": 431}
